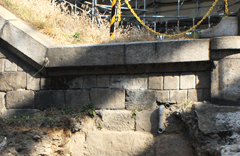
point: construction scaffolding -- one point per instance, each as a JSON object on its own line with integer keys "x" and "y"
{"x": 161, "y": 15}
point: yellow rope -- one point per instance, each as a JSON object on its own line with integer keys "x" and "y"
{"x": 119, "y": 11}
{"x": 226, "y": 7}
{"x": 194, "y": 27}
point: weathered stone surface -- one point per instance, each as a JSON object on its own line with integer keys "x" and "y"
{"x": 89, "y": 81}
{"x": 86, "y": 55}
{"x": 76, "y": 83}
{"x": 2, "y": 62}
{"x": 12, "y": 81}
{"x": 2, "y": 101}
{"x": 140, "y": 52}
{"x": 207, "y": 94}
{"x": 147, "y": 121}
{"x": 226, "y": 42}
{"x": 195, "y": 95}
{"x": 156, "y": 82}
{"x": 103, "y": 81}
{"x": 108, "y": 98}
{"x": 24, "y": 66}
{"x": 77, "y": 144}
{"x": 174, "y": 145}
{"x": 187, "y": 81}
{"x": 117, "y": 143}
{"x": 225, "y": 54}
{"x": 20, "y": 99}
{"x": 203, "y": 80}
{"x": 215, "y": 119}
{"x": 182, "y": 51}
{"x": 5, "y": 53}
{"x": 131, "y": 82}
{"x": 228, "y": 26}
{"x": 171, "y": 81}
{"x": 26, "y": 40}
{"x": 45, "y": 82}
{"x": 49, "y": 98}
{"x": 10, "y": 65}
{"x": 178, "y": 96}
{"x": 6, "y": 15}
{"x": 140, "y": 100}
{"x": 162, "y": 96}
{"x": 77, "y": 98}
{"x": 117, "y": 120}
{"x": 33, "y": 80}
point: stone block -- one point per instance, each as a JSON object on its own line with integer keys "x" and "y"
{"x": 12, "y": 81}
{"x": 77, "y": 98}
{"x": 89, "y": 81}
{"x": 226, "y": 42}
{"x": 178, "y": 96}
{"x": 45, "y": 82}
{"x": 49, "y": 98}
{"x": 108, "y": 98}
{"x": 6, "y": 15}
{"x": 2, "y": 62}
{"x": 117, "y": 143}
{"x": 86, "y": 55}
{"x": 11, "y": 65}
{"x": 203, "y": 80}
{"x": 187, "y": 81}
{"x": 140, "y": 53}
{"x": 76, "y": 83}
{"x": 5, "y": 53}
{"x": 32, "y": 44}
{"x": 2, "y": 101}
{"x": 195, "y": 95}
{"x": 162, "y": 96}
{"x": 103, "y": 81}
{"x": 207, "y": 94}
{"x": 117, "y": 120}
{"x": 182, "y": 51}
{"x": 24, "y": 66}
{"x": 33, "y": 80}
{"x": 129, "y": 82}
{"x": 140, "y": 100}
{"x": 171, "y": 81}
{"x": 156, "y": 82}
{"x": 147, "y": 121}
{"x": 20, "y": 99}
{"x": 228, "y": 26}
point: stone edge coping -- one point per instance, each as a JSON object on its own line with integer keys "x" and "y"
{"x": 224, "y": 43}
{"x": 32, "y": 44}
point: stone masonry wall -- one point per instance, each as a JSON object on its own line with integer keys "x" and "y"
{"x": 23, "y": 88}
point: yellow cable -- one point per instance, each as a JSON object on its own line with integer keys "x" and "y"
{"x": 194, "y": 27}
{"x": 226, "y": 8}
{"x": 119, "y": 11}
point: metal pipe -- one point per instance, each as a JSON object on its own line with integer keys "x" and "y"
{"x": 161, "y": 119}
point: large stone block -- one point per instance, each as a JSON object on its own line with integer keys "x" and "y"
{"x": 182, "y": 51}
{"x": 178, "y": 96}
{"x": 77, "y": 98}
{"x": 2, "y": 101}
{"x": 117, "y": 120}
{"x": 171, "y": 81}
{"x": 187, "y": 81}
{"x": 12, "y": 81}
{"x": 203, "y": 80}
{"x": 130, "y": 82}
{"x": 6, "y": 15}
{"x": 140, "y": 100}
{"x": 2, "y": 62}
{"x": 49, "y": 98}
{"x": 195, "y": 95}
{"x": 33, "y": 80}
{"x": 28, "y": 42}
{"x": 76, "y": 83}
{"x": 226, "y": 42}
{"x": 162, "y": 96}
{"x": 10, "y": 65}
{"x": 147, "y": 121}
{"x": 140, "y": 53}
{"x": 156, "y": 82}
{"x": 86, "y": 55}
{"x": 228, "y": 26}
{"x": 20, "y": 99}
{"x": 89, "y": 81}
{"x": 117, "y": 143}
{"x": 108, "y": 98}
{"x": 103, "y": 81}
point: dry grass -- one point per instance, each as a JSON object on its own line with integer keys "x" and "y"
{"x": 64, "y": 29}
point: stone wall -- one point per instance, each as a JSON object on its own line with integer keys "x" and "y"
{"x": 22, "y": 87}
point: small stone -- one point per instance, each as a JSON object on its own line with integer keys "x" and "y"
{"x": 37, "y": 138}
